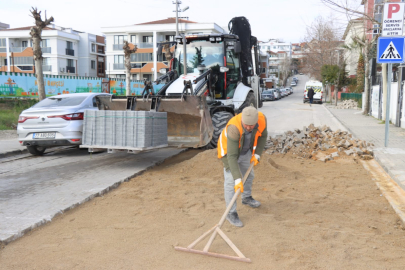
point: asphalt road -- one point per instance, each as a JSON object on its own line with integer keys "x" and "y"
{"x": 290, "y": 112}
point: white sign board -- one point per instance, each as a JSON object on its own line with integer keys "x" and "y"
{"x": 393, "y": 21}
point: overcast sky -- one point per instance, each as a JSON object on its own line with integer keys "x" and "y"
{"x": 285, "y": 19}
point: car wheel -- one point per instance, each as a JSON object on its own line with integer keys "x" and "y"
{"x": 36, "y": 150}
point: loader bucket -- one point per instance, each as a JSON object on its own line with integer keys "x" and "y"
{"x": 188, "y": 119}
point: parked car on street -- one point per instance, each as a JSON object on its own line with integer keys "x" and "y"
{"x": 293, "y": 83}
{"x": 287, "y": 90}
{"x": 291, "y": 90}
{"x": 277, "y": 94}
{"x": 268, "y": 95}
{"x": 283, "y": 92}
{"x": 55, "y": 121}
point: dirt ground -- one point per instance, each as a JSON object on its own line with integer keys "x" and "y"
{"x": 314, "y": 215}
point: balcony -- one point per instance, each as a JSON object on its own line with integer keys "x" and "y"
{"x": 144, "y": 45}
{"x": 100, "y": 51}
{"x": 3, "y": 49}
{"x": 70, "y": 69}
{"x": 46, "y": 68}
{"x": 118, "y": 66}
{"x": 70, "y": 52}
{"x": 46, "y": 50}
{"x": 118, "y": 47}
{"x": 17, "y": 49}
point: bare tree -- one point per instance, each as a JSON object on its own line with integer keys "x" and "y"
{"x": 365, "y": 43}
{"x": 129, "y": 48}
{"x": 322, "y": 39}
{"x": 36, "y": 34}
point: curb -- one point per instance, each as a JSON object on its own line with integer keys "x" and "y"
{"x": 74, "y": 205}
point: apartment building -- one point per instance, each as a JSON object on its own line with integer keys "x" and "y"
{"x": 65, "y": 52}
{"x": 145, "y": 63}
{"x": 276, "y": 46}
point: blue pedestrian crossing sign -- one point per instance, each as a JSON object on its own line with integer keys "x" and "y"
{"x": 390, "y": 50}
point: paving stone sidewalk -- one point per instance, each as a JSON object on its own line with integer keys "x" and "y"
{"x": 367, "y": 128}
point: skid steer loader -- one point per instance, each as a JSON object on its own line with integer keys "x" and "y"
{"x": 211, "y": 78}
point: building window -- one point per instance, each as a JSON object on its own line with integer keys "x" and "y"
{"x": 119, "y": 39}
{"x": 133, "y": 39}
{"x": 170, "y": 37}
{"x": 141, "y": 57}
{"x": 69, "y": 45}
{"x": 147, "y": 39}
{"x": 70, "y": 63}
{"x": 45, "y": 43}
{"x": 24, "y": 44}
{"x": 93, "y": 64}
{"x": 46, "y": 61}
{"x": 2, "y": 42}
{"x": 118, "y": 59}
{"x": 93, "y": 47}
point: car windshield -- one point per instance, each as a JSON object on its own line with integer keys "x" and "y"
{"x": 200, "y": 53}
{"x": 267, "y": 92}
{"x": 60, "y": 102}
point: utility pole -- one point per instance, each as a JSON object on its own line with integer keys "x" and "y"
{"x": 177, "y": 16}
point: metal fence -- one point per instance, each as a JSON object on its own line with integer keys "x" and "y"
{"x": 355, "y": 96}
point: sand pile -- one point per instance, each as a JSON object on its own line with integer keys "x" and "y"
{"x": 320, "y": 143}
{"x": 348, "y": 104}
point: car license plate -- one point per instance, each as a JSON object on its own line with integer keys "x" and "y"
{"x": 45, "y": 135}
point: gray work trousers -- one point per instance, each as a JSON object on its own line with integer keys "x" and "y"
{"x": 229, "y": 183}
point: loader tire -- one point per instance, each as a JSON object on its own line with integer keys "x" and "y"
{"x": 219, "y": 121}
{"x": 250, "y": 101}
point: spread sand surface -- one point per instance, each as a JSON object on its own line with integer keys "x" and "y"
{"x": 314, "y": 215}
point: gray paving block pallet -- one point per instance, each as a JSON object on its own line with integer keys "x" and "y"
{"x": 124, "y": 129}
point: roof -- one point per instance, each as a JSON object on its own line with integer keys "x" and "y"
{"x": 25, "y": 28}
{"x": 350, "y": 24}
{"x": 167, "y": 21}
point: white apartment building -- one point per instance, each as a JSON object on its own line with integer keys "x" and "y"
{"x": 65, "y": 52}
{"x": 145, "y": 62}
{"x": 275, "y": 46}
{"x": 354, "y": 29}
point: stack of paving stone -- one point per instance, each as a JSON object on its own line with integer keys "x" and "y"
{"x": 347, "y": 104}
{"x": 131, "y": 129}
{"x": 311, "y": 140}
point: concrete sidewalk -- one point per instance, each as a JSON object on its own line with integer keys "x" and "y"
{"x": 367, "y": 128}
{"x": 9, "y": 144}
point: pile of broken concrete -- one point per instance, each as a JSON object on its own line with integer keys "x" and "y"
{"x": 347, "y": 104}
{"x": 320, "y": 143}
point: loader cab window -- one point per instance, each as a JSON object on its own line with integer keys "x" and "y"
{"x": 199, "y": 53}
{"x": 233, "y": 75}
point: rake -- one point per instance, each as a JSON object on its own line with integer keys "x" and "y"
{"x": 217, "y": 230}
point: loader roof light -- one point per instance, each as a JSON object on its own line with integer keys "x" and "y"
{"x": 230, "y": 43}
{"x": 218, "y": 39}
{"x": 212, "y": 39}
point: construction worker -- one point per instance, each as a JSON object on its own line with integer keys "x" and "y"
{"x": 240, "y": 143}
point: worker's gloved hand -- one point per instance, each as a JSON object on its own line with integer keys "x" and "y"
{"x": 255, "y": 159}
{"x": 238, "y": 185}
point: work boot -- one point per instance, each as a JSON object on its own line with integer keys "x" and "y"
{"x": 251, "y": 202}
{"x": 233, "y": 218}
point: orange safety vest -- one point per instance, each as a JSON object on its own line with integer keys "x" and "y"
{"x": 237, "y": 121}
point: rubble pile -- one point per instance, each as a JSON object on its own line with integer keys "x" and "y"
{"x": 348, "y": 104}
{"x": 319, "y": 143}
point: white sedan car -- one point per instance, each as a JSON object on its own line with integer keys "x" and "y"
{"x": 55, "y": 121}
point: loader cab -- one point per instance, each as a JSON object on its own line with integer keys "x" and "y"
{"x": 214, "y": 52}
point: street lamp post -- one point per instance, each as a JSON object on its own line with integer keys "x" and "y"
{"x": 177, "y": 3}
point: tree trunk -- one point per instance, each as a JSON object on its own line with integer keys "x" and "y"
{"x": 367, "y": 81}
{"x": 128, "y": 74}
{"x": 38, "y": 67}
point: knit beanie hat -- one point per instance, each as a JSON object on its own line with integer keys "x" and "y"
{"x": 250, "y": 116}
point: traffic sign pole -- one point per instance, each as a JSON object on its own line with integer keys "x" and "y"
{"x": 387, "y": 111}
